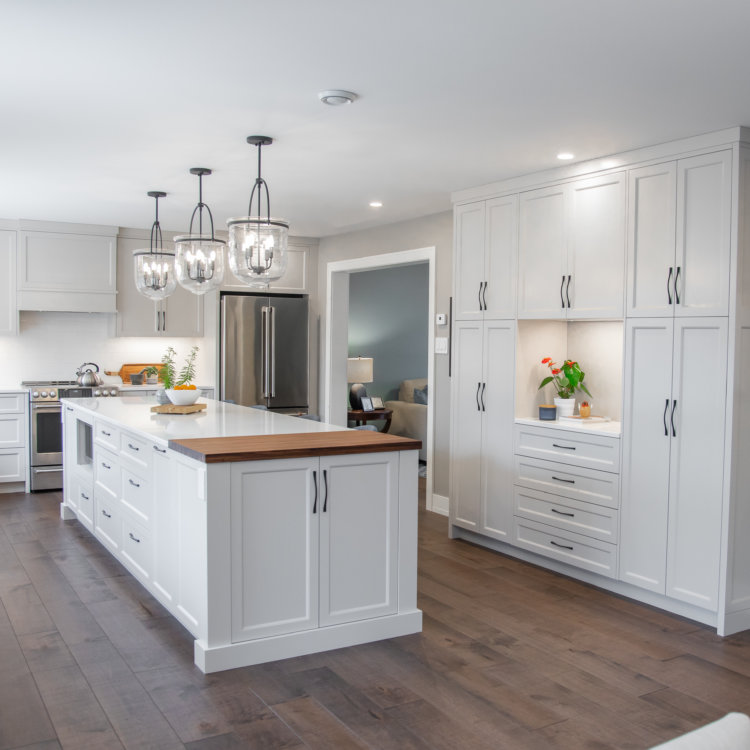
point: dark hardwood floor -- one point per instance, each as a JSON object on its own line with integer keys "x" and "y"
{"x": 511, "y": 656}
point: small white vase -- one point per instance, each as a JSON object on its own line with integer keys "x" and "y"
{"x": 565, "y": 406}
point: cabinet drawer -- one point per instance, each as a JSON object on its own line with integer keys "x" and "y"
{"x": 13, "y": 465}
{"x": 12, "y": 430}
{"x": 136, "y": 494}
{"x": 82, "y": 500}
{"x": 574, "y": 448}
{"x": 107, "y": 471}
{"x": 135, "y": 449}
{"x": 13, "y": 403}
{"x": 107, "y": 435}
{"x": 566, "y": 514}
{"x": 574, "y": 549}
{"x": 587, "y": 485}
{"x": 106, "y": 520}
{"x": 136, "y": 548}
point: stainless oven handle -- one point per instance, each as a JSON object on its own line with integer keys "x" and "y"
{"x": 46, "y": 471}
{"x": 48, "y": 407}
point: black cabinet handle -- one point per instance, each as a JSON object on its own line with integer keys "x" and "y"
{"x": 135, "y": 484}
{"x": 479, "y": 408}
{"x": 161, "y": 450}
{"x": 136, "y": 539}
{"x": 671, "y": 418}
{"x": 84, "y": 496}
{"x": 105, "y": 514}
{"x": 664, "y": 417}
{"x": 567, "y": 291}
{"x": 484, "y": 385}
{"x": 133, "y": 447}
{"x": 565, "y": 447}
{"x": 562, "y": 299}
{"x": 106, "y": 466}
{"x": 108, "y": 434}
{"x": 479, "y": 295}
{"x": 562, "y": 546}
{"x": 69, "y": 408}
{"x": 484, "y": 296}
{"x": 325, "y": 482}
{"x": 561, "y": 513}
{"x": 676, "y": 290}
{"x": 567, "y": 481}
{"x": 669, "y": 285}
{"x": 315, "y": 484}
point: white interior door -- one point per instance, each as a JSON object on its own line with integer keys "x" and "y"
{"x": 697, "y": 460}
{"x": 646, "y": 445}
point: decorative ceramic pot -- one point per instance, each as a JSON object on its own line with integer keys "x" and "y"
{"x": 565, "y": 406}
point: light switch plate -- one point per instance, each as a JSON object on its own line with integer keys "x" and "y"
{"x": 441, "y": 345}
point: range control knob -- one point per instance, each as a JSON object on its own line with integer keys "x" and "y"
{"x": 53, "y": 394}
{"x": 97, "y": 393}
{"x": 35, "y": 394}
{"x": 113, "y": 392}
{"x": 44, "y": 394}
{"x": 105, "y": 393}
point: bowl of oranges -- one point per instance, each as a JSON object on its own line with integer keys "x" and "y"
{"x": 183, "y": 395}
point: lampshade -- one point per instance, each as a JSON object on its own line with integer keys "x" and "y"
{"x": 359, "y": 370}
{"x": 199, "y": 261}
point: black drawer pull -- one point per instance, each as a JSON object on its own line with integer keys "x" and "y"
{"x": 69, "y": 408}
{"x": 161, "y": 450}
{"x": 84, "y": 496}
{"x": 135, "y": 484}
{"x": 105, "y": 514}
{"x": 566, "y": 447}
{"x": 561, "y": 513}
{"x": 106, "y": 466}
{"x": 136, "y": 539}
{"x": 567, "y": 481}
{"x": 562, "y": 546}
{"x": 108, "y": 434}
{"x": 133, "y": 447}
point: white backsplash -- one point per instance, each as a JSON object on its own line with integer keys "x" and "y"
{"x": 52, "y": 345}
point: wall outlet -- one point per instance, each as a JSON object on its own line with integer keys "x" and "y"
{"x": 441, "y": 345}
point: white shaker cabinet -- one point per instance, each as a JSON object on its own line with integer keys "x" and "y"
{"x": 329, "y": 573}
{"x": 675, "y": 398}
{"x": 572, "y": 250}
{"x": 679, "y": 237}
{"x": 8, "y": 310}
{"x": 180, "y": 314}
{"x": 482, "y": 428}
{"x": 486, "y": 242}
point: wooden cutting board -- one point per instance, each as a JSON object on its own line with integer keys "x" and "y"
{"x": 127, "y": 370}
{"x": 175, "y": 409}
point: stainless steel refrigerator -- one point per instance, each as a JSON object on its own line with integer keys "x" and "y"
{"x": 264, "y": 351}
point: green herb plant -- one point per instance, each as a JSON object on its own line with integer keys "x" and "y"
{"x": 168, "y": 369}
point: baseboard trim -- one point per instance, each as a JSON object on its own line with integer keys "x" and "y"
{"x": 439, "y": 504}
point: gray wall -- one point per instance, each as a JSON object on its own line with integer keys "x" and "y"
{"x": 428, "y": 231}
{"x": 388, "y": 309}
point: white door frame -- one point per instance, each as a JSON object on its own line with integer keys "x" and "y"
{"x": 337, "y": 330}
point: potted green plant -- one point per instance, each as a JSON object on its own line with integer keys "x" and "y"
{"x": 179, "y": 387}
{"x": 567, "y": 379}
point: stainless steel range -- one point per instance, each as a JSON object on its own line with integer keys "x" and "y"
{"x": 45, "y": 427}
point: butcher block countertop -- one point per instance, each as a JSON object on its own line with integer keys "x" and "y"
{"x": 291, "y": 445}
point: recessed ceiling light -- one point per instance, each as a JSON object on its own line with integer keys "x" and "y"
{"x": 376, "y": 204}
{"x": 336, "y": 97}
{"x": 565, "y": 156}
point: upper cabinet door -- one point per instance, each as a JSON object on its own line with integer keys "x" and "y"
{"x": 541, "y": 253}
{"x": 183, "y": 313}
{"x": 469, "y": 227}
{"x": 651, "y": 241}
{"x": 596, "y": 248}
{"x": 8, "y": 311}
{"x": 501, "y": 251}
{"x": 704, "y": 197}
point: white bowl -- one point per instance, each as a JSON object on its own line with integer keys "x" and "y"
{"x": 182, "y": 397}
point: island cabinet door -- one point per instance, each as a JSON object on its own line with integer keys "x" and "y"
{"x": 358, "y": 537}
{"x": 274, "y": 547}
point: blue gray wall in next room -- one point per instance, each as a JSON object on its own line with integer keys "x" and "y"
{"x": 388, "y": 311}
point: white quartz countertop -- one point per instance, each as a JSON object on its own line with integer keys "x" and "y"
{"x": 613, "y": 429}
{"x": 219, "y": 419}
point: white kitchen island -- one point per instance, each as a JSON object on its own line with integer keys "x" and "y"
{"x": 267, "y": 536}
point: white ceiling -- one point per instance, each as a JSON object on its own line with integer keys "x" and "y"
{"x": 102, "y": 101}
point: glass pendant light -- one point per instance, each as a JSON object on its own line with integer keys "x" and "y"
{"x": 199, "y": 258}
{"x": 258, "y": 244}
{"x": 154, "y": 268}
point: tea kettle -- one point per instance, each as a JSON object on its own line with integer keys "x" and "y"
{"x": 88, "y": 377}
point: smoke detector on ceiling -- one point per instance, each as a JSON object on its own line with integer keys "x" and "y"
{"x": 336, "y": 97}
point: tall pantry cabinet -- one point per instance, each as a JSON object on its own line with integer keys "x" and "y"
{"x": 684, "y": 297}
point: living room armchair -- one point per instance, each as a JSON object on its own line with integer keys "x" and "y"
{"x": 410, "y": 418}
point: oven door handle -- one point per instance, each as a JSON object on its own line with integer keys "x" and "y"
{"x": 53, "y": 470}
{"x": 47, "y": 407}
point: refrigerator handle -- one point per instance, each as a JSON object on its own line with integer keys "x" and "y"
{"x": 272, "y": 349}
{"x": 265, "y": 345}
{"x": 223, "y": 383}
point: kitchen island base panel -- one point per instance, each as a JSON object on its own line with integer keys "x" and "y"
{"x": 262, "y": 650}
{"x": 67, "y": 513}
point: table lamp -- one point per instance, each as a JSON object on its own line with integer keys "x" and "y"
{"x": 358, "y": 371}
